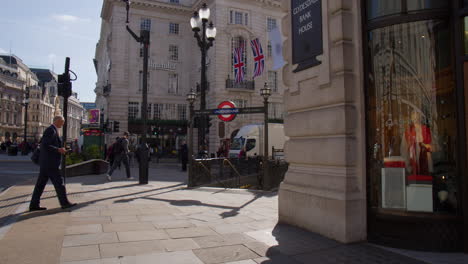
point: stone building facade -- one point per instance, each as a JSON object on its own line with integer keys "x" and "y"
{"x": 16, "y": 81}
{"x": 15, "y": 76}
{"x": 174, "y": 63}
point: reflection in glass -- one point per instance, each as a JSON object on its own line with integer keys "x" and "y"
{"x": 426, "y": 4}
{"x": 378, "y": 8}
{"x": 412, "y": 129}
{"x": 466, "y": 34}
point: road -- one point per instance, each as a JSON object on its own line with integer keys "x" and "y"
{"x": 13, "y": 172}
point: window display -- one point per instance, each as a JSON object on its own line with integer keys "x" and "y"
{"x": 412, "y": 118}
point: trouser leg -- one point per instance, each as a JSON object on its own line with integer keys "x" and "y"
{"x": 115, "y": 164}
{"x": 127, "y": 165}
{"x": 39, "y": 188}
{"x": 57, "y": 181}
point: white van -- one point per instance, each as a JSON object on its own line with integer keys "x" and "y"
{"x": 251, "y": 137}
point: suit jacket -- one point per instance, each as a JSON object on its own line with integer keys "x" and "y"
{"x": 50, "y": 157}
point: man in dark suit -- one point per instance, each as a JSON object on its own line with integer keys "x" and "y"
{"x": 49, "y": 161}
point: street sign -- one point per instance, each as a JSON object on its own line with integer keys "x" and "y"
{"x": 226, "y": 111}
{"x": 229, "y": 112}
{"x": 307, "y": 37}
{"x": 252, "y": 110}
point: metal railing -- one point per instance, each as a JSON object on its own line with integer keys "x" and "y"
{"x": 226, "y": 173}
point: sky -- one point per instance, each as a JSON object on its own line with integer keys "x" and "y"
{"x": 43, "y": 32}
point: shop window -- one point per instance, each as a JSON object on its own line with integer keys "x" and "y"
{"x": 412, "y": 118}
{"x": 465, "y": 34}
{"x": 380, "y": 8}
{"x": 413, "y": 5}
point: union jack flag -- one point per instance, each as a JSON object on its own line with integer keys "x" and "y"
{"x": 259, "y": 59}
{"x": 239, "y": 65}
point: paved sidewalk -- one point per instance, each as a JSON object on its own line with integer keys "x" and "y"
{"x": 164, "y": 222}
{"x": 17, "y": 158}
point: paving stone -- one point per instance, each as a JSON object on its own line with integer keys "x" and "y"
{"x": 80, "y": 253}
{"x": 121, "y": 227}
{"x": 282, "y": 259}
{"x": 90, "y": 220}
{"x": 124, "y": 218}
{"x": 224, "y": 254}
{"x": 247, "y": 261}
{"x": 173, "y": 224}
{"x": 89, "y": 239}
{"x": 260, "y": 225}
{"x": 231, "y": 228}
{"x": 153, "y": 218}
{"x": 119, "y": 212}
{"x": 142, "y": 235}
{"x": 89, "y": 213}
{"x": 131, "y": 248}
{"x": 83, "y": 229}
{"x": 222, "y": 240}
{"x": 159, "y": 211}
{"x": 264, "y": 236}
{"x": 262, "y": 249}
{"x": 179, "y": 244}
{"x": 179, "y": 257}
{"x": 190, "y": 232}
{"x": 95, "y": 261}
{"x": 238, "y": 219}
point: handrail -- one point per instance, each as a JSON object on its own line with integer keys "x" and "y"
{"x": 235, "y": 170}
{"x": 209, "y": 172}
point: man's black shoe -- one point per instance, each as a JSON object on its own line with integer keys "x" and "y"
{"x": 38, "y": 208}
{"x": 70, "y": 205}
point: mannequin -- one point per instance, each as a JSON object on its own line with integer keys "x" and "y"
{"x": 416, "y": 147}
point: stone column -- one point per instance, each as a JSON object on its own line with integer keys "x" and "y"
{"x": 324, "y": 190}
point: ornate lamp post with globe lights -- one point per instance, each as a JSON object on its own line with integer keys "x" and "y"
{"x": 191, "y": 97}
{"x": 25, "y": 149}
{"x": 265, "y": 92}
{"x": 205, "y": 41}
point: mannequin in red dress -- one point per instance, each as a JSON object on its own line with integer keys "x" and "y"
{"x": 416, "y": 147}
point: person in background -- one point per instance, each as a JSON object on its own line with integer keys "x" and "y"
{"x": 183, "y": 152}
{"x": 120, "y": 150}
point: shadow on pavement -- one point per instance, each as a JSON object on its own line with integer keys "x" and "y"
{"x": 296, "y": 246}
{"x": 28, "y": 215}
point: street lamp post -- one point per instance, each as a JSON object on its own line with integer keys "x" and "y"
{"x": 144, "y": 39}
{"x": 265, "y": 92}
{"x": 204, "y": 41}
{"x": 191, "y": 97}
{"x": 26, "y": 103}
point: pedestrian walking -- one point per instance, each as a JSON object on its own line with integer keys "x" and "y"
{"x": 120, "y": 150}
{"x": 184, "y": 155}
{"x": 49, "y": 162}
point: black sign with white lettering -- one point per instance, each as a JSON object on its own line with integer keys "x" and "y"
{"x": 306, "y": 17}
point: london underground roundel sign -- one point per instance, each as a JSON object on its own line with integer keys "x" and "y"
{"x": 227, "y": 111}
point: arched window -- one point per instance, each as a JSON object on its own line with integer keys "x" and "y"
{"x": 237, "y": 42}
